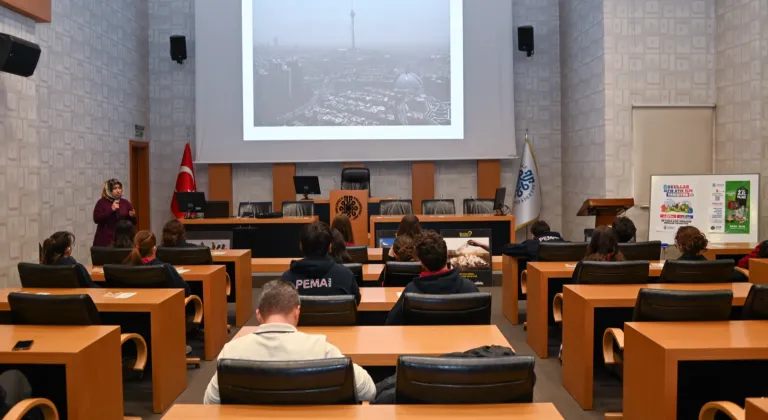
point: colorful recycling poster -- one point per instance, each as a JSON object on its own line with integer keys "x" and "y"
{"x": 737, "y": 206}
{"x": 677, "y": 208}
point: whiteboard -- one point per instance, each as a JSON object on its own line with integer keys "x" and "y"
{"x": 723, "y": 207}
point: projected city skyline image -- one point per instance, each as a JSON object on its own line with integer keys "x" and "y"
{"x": 351, "y": 63}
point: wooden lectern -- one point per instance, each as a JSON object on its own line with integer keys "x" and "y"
{"x": 353, "y": 203}
{"x": 606, "y": 209}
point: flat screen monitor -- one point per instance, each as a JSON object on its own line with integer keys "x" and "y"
{"x": 193, "y": 202}
{"x": 498, "y": 199}
{"x": 306, "y": 185}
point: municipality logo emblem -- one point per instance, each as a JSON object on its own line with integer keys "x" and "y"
{"x": 350, "y": 206}
{"x": 526, "y": 185}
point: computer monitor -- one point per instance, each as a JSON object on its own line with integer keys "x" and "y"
{"x": 306, "y": 185}
{"x": 190, "y": 202}
{"x": 498, "y": 200}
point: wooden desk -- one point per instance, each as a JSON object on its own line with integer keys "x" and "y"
{"x": 245, "y": 221}
{"x": 93, "y": 392}
{"x": 510, "y": 288}
{"x": 378, "y": 298}
{"x": 381, "y": 346}
{"x": 243, "y": 282}
{"x": 371, "y": 272}
{"x": 756, "y": 409}
{"x": 758, "y": 270}
{"x": 214, "y": 299}
{"x": 538, "y": 303}
{"x": 503, "y": 227}
{"x": 579, "y": 305}
{"x": 168, "y": 333}
{"x": 537, "y": 411}
{"x": 729, "y": 248}
{"x": 652, "y": 351}
{"x": 375, "y": 254}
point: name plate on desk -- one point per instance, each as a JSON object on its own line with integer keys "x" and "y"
{"x": 469, "y": 251}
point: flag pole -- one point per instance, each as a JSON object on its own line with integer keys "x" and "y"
{"x": 527, "y": 225}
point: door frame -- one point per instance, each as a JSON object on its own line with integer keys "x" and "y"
{"x": 139, "y": 168}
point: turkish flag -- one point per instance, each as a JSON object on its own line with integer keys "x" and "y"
{"x": 185, "y": 181}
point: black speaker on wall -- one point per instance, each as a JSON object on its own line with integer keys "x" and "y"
{"x": 178, "y": 48}
{"x": 525, "y": 39}
{"x": 18, "y": 56}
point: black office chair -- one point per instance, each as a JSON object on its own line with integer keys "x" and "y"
{"x": 639, "y": 251}
{"x": 252, "y": 208}
{"x": 297, "y": 382}
{"x": 50, "y": 276}
{"x": 358, "y": 253}
{"x": 102, "y": 255}
{"x": 323, "y": 311}
{"x": 189, "y": 256}
{"x": 399, "y": 274}
{"x": 456, "y": 309}
{"x": 357, "y": 270}
{"x": 555, "y": 252}
{"x": 446, "y": 380}
{"x": 33, "y": 309}
{"x": 680, "y": 271}
{"x": 756, "y": 305}
{"x": 478, "y": 206}
{"x": 356, "y": 179}
{"x": 438, "y": 206}
{"x": 660, "y": 305}
{"x": 395, "y": 207}
{"x": 298, "y": 208}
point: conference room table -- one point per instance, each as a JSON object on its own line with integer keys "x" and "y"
{"x": 583, "y": 305}
{"x": 214, "y": 287}
{"x": 510, "y": 287}
{"x": 91, "y": 392}
{"x": 266, "y": 238}
{"x": 523, "y": 411}
{"x": 165, "y": 309}
{"x": 756, "y": 409}
{"x": 502, "y": 227}
{"x": 243, "y": 282}
{"x": 382, "y": 345}
{"x": 539, "y": 302}
{"x": 654, "y": 354}
{"x": 726, "y": 249}
{"x": 758, "y": 270}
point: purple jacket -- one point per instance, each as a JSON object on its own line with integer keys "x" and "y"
{"x": 106, "y": 219}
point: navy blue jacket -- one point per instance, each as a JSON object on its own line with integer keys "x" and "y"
{"x": 321, "y": 276}
{"x": 447, "y": 283}
{"x": 529, "y": 248}
{"x": 82, "y": 276}
{"x": 178, "y": 282}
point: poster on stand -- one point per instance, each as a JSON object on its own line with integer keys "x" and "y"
{"x": 677, "y": 208}
{"x": 469, "y": 252}
{"x": 737, "y": 207}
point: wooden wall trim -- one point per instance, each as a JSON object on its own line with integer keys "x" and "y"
{"x": 38, "y": 10}
{"x": 354, "y": 165}
{"x": 282, "y": 184}
{"x": 422, "y": 183}
{"x": 140, "y": 184}
{"x": 220, "y": 183}
{"x": 488, "y": 178}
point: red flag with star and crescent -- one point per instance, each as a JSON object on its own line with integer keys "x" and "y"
{"x": 185, "y": 181}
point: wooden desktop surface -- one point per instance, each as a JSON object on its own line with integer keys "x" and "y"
{"x": 249, "y": 221}
{"x": 652, "y": 351}
{"x": 145, "y": 300}
{"x": 756, "y": 409}
{"x": 381, "y": 345}
{"x": 378, "y": 298}
{"x": 447, "y": 218}
{"x": 537, "y": 411}
{"x": 758, "y": 270}
{"x": 188, "y": 272}
{"x": 92, "y": 392}
{"x": 729, "y": 248}
{"x": 370, "y": 200}
{"x": 243, "y": 281}
{"x": 579, "y": 304}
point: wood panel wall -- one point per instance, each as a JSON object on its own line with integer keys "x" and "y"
{"x": 220, "y": 184}
{"x": 488, "y": 178}
{"x": 422, "y": 183}
{"x": 38, "y": 10}
{"x": 282, "y": 184}
{"x": 354, "y": 165}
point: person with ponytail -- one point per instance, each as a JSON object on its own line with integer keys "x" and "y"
{"x": 57, "y": 250}
{"x": 143, "y": 253}
{"x": 110, "y": 209}
{"x": 692, "y": 243}
{"x": 604, "y": 246}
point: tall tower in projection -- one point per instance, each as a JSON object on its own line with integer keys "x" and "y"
{"x": 352, "y": 16}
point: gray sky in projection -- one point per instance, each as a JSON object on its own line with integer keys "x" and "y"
{"x": 378, "y": 23}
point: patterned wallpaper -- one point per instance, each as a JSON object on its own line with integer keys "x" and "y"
{"x": 66, "y": 129}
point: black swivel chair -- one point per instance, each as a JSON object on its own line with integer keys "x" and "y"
{"x": 298, "y": 208}
{"x": 438, "y": 206}
{"x": 252, "y": 208}
{"x": 356, "y": 179}
{"x": 756, "y": 304}
{"x": 395, "y": 207}
{"x": 456, "y": 309}
{"x": 446, "y": 380}
{"x": 357, "y": 270}
{"x": 298, "y": 382}
{"x": 659, "y": 305}
{"x": 102, "y": 255}
{"x": 50, "y": 276}
{"x": 556, "y": 252}
{"x": 639, "y": 251}
{"x": 323, "y": 311}
{"x": 189, "y": 256}
{"x": 478, "y": 206}
{"x": 358, "y": 253}
{"x": 681, "y": 271}
{"x": 33, "y": 309}
{"x": 399, "y": 274}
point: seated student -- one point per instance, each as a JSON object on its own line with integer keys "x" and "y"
{"x": 339, "y": 248}
{"x": 277, "y": 339}
{"x": 174, "y": 235}
{"x": 604, "y": 246}
{"x": 317, "y": 274}
{"x": 124, "y": 234}
{"x": 692, "y": 243}
{"x": 529, "y": 248}
{"x": 409, "y": 226}
{"x": 760, "y": 251}
{"x": 404, "y": 251}
{"x": 342, "y": 224}
{"x": 625, "y": 229}
{"x": 57, "y": 250}
{"x": 437, "y": 278}
{"x": 145, "y": 247}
